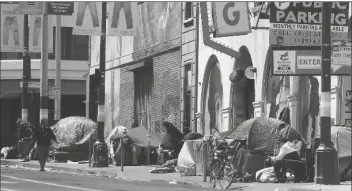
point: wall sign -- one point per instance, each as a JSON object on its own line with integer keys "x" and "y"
{"x": 87, "y": 19}
{"x": 308, "y": 62}
{"x": 11, "y": 28}
{"x": 30, "y": 8}
{"x": 341, "y": 52}
{"x": 231, "y": 18}
{"x": 60, "y": 8}
{"x": 299, "y": 23}
{"x": 284, "y": 62}
{"x": 122, "y": 18}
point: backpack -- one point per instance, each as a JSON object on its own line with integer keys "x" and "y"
{"x": 44, "y": 136}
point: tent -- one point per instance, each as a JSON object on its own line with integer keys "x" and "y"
{"x": 73, "y": 132}
{"x": 135, "y": 153}
{"x": 341, "y": 137}
{"x": 261, "y": 134}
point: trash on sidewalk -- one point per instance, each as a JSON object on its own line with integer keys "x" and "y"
{"x": 168, "y": 167}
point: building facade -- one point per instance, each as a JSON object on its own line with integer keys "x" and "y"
{"x": 74, "y": 66}
{"x": 225, "y": 97}
{"x": 142, "y": 77}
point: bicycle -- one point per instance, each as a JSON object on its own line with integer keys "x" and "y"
{"x": 223, "y": 165}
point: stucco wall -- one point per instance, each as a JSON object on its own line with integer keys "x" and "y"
{"x": 257, "y": 43}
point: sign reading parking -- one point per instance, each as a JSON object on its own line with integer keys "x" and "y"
{"x": 122, "y": 18}
{"x": 299, "y": 23}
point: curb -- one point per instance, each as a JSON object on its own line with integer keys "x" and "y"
{"x": 62, "y": 169}
{"x": 100, "y": 173}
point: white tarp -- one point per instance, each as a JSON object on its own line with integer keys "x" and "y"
{"x": 190, "y": 156}
{"x": 341, "y": 137}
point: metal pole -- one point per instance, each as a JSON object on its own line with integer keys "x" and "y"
{"x": 205, "y": 158}
{"x": 100, "y": 149}
{"x": 26, "y": 69}
{"x": 57, "y": 115}
{"x": 88, "y": 81}
{"x": 44, "y": 69}
{"x": 326, "y": 165}
{"x": 122, "y": 153}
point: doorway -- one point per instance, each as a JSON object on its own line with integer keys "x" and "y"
{"x": 242, "y": 91}
{"x": 212, "y": 94}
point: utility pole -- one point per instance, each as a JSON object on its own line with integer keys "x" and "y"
{"x": 100, "y": 149}
{"x": 26, "y": 69}
{"x": 57, "y": 114}
{"x": 326, "y": 166}
{"x": 44, "y": 98}
{"x": 26, "y": 75}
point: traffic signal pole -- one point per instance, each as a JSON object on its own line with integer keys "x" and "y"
{"x": 326, "y": 165}
{"x": 100, "y": 149}
{"x": 44, "y": 98}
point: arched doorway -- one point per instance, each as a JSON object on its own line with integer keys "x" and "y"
{"x": 242, "y": 92}
{"x": 211, "y": 100}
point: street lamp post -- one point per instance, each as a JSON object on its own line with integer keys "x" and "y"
{"x": 26, "y": 69}
{"x": 326, "y": 166}
{"x": 100, "y": 149}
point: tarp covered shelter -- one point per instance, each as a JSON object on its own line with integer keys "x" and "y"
{"x": 341, "y": 137}
{"x": 260, "y": 134}
{"x": 73, "y": 132}
{"x": 73, "y": 135}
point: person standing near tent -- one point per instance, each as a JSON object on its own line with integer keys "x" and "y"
{"x": 44, "y": 135}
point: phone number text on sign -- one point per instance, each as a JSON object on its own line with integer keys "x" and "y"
{"x": 299, "y": 23}
{"x": 287, "y": 36}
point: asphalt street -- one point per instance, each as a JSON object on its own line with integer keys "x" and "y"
{"x": 15, "y": 179}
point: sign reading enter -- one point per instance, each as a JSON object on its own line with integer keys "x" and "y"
{"x": 308, "y": 62}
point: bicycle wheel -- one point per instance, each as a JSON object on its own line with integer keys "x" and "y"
{"x": 222, "y": 174}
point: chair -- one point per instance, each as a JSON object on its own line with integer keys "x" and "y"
{"x": 306, "y": 161}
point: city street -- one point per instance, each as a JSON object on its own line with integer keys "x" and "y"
{"x": 33, "y": 180}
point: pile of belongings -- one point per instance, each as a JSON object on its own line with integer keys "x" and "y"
{"x": 168, "y": 167}
{"x": 8, "y": 152}
{"x": 267, "y": 175}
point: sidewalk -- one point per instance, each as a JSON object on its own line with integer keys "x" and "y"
{"x": 141, "y": 173}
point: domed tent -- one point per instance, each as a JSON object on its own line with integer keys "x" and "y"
{"x": 73, "y": 135}
{"x": 261, "y": 134}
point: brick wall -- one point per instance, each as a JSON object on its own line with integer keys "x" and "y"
{"x": 126, "y": 102}
{"x": 165, "y": 98}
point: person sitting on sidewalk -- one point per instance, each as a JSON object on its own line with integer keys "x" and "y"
{"x": 44, "y": 135}
{"x": 288, "y": 151}
{"x": 25, "y": 140}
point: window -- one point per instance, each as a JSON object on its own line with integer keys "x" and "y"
{"x": 188, "y": 16}
{"x": 187, "y": 97}
{"x": 143, "y": 83}
{"x": 73, "y": 47}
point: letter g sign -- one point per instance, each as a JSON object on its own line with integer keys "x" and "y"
{"x": 235, "y": 14}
